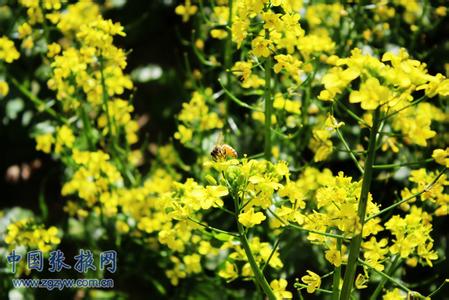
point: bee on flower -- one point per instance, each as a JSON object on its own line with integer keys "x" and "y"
{"x": 223, "y": 151}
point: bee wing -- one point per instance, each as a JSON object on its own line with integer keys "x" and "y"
{"x": 220, "y": 139}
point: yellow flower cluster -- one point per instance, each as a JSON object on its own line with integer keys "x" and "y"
{"x": 435, "y": 196}
{"x": 286, "y": 109}
{"x": 33, "y": 236}
{"x": 94, "y": 176}
{"x": 441, "y": 156}
{"x": 62, "y": 139}
{"x": 172, "y": 215}
{"x": 8, "y": 51}
{"x": 381, "y": 83}
{"x": 119, "y": 111}
{"x": 195, "y": 117}
{"x": 412, "y": 237}
{"x": 321, "y": 143}
{"x": 237, "y": 257}
{"x": 389, "y": 83}
{"x": 75, "y": 15}
{"x": 415, "y": 123}
{"x": 87, "y": 69}
{"x": 321, "y": 15}
{"x": 96, "y": 64}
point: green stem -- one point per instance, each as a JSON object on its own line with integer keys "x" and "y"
{"x": 352, "y": 114}
{"x": 213, "y": 228}
{"x": 404, "y": 108}
{"x": 350, "y": 152}
{"x": 382, "y": 282}
{"x": 87, "y": 128}
{"x": 40, "y": 104}
{"x": 258, "y": 275}
{"x": 336, "y": 277}
{"x": 331, "y": 235}
{"x": 393, "y": 166}
{"x": 237, "y": 100}
{"x": 354, "y": 249}
{"x": 276, "y": 244}
{"x": 437, "y": 289}
{"x": 426, "y": 189}
{"x": 228, "y": 47}
{"x": 268, "y": 109}
{"x": 256, "y": 270}
{"x": 116, "y": 151}
{"x": 394, "y": 281}
{"x": 228, "y": 58}
{"x": 303, "y": 286}
{"x": 105, "y": 98}
{"x": 420, "y": 25}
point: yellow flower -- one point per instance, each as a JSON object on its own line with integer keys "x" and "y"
{"x": 24, "y": 30}
{"x": 8, "y": 51}
{"x": 249, "y": 218}
{"x": 334, "y": 257}
{"x": 335, "y": 81}
{"x": 53, "y": 4}
{"x": 53, "y": 49}
{"x": 27, "y": 233}
{"x": 361, "y": 281}
{"x": 186, "y": 11}
{"x": 441, "y": 156}
{"x": 28, "y": 43}
{"x": 312, "y": 280}
{"x": 239, "y": 30}
{"x": 441, "y": 11}
{"x": 192, "y": 263}
{"x": 184, "y": 134}
{"x": 122, "y": 226}
{"x": 242, "y": 69}
{"x": 395, "y": 294}
{"x": 412, "y": 235}
{"x": 64, "y": 137}
{"x": 253, "y": 81}
{"x": 229, "y": 272}
{"x": 278, "y": 287}
{"x": 4, "y": 88}
{"x": 290, "y": 64}
{"x": 371, "y": 94}
{"x": 44, "y": 142}
{"x": 261, "y": 46}
{"x": 218, "y": 34}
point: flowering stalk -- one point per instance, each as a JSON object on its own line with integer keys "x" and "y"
{"x": 115, "y": 148}
{"x": 259, "y": 277}
{"x": 426, "y": 189}
{"x": 394, "y": 280}
{"x": 354, "y": 248}
{"x": 268, "y": 109}
{"x": 394, "y": 264}
{"x": 336, "y": 277}
{"x": 40, "y": 104}
{"x": 87, "y": 128}
{"x": 105, "y": 98}
{"x": 228, "y": 54}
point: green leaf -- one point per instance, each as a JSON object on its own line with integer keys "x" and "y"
{"x": 222, "y": 236}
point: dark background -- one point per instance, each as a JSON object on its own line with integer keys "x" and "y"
{"x": 154, "y": 36}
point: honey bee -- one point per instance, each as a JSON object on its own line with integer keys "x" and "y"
{"x": 223, "y": 151}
